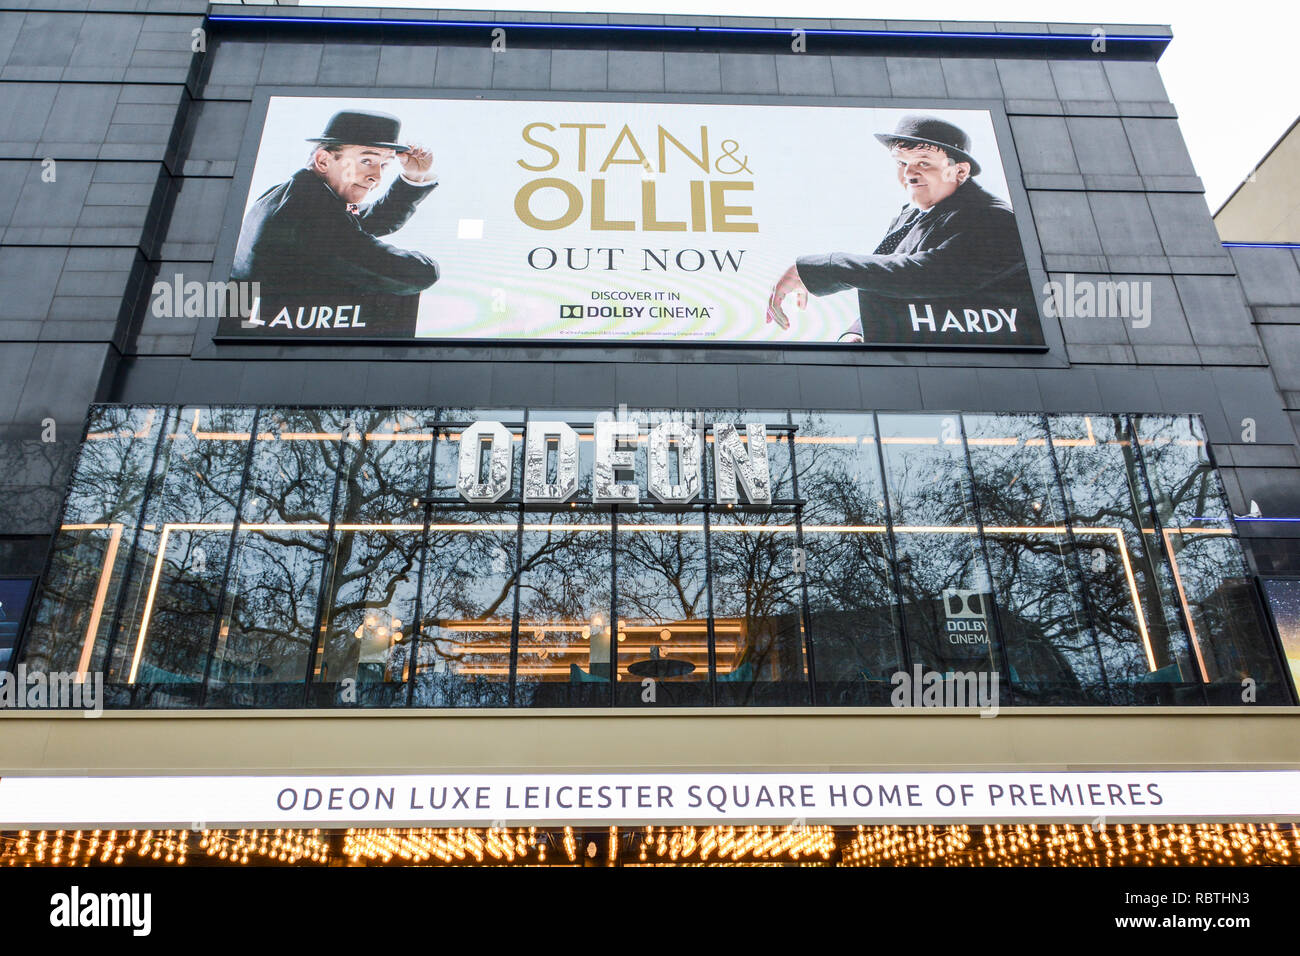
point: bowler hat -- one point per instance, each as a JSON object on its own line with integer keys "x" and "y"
{"x": 362, "y": 128}
{"x": 931, "y": 131}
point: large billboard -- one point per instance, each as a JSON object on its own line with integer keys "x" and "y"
{"x": 563, "y": 221}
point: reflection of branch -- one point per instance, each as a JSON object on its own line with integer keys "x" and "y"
{"x": 660, "y": 556}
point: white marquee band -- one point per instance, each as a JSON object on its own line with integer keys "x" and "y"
{"x": 643, "y": 798}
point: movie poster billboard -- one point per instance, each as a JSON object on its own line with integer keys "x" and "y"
{"x": 560, "y": 221}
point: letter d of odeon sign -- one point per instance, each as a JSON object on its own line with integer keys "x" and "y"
{"x": 536, "y": 449}
{"x": 485, "y": 463}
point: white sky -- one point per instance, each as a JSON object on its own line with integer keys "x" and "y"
{"x": 1230, "y": 70}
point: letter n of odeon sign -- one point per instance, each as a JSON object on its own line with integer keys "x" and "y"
{"x": 735, "y": 465}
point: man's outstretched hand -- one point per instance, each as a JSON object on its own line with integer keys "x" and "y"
{"x": 789, "y": 282}
{"x": 417, "y": 163}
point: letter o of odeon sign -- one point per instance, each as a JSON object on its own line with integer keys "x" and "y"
{"x": 500, "y": 474}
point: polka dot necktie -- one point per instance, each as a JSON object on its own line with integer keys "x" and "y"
{"x": 354, "y": 209}
{"x": 891, "y": 241}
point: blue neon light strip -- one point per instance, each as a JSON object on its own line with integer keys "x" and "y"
{"x": 1265, "y": 519}
{"x": 690, "y": 29}
{"x": 1260, "y": 245}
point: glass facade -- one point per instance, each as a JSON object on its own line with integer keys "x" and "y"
{"x": 269, "y": 557}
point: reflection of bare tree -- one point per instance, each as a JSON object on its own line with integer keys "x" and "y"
{"x": 854, "y": 617}
{"x": 661, "y": 576}
{"x": 1189, "y": 499}
{"x": 106, "y": 493}
{"x": 754, "y": 580}
{"x": 311, "y": 463}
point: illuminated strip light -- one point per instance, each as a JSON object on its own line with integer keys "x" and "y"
{"x": 1070, "y": 442}
{"x": 540, "y": 670}
{"x": 514, "y": 436}
{"x": 123, "y": 433}
{"x": 624, "y": 649}
{"x": 296, "y": 436}
{"x": 101, "y": 591}
{"x": 962, "y": 529}
{"x": 148, "y": 604}
{"x": 843, "y": 528}
{"x": 577, "y": 628}
{"x": 1182, "y": 594}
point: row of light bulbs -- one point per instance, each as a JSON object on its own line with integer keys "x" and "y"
{"x": 453, "y": 845}
{"x": 280, "y": 845}
{"x": 95, "y": 847}
{"x": 1038, "y": 844}
{"x": 757, "y": 843}
{"x": 1196, "y": 844}
{"x": 115, "y": 847}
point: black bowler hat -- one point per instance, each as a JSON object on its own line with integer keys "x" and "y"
{"x": 931, "y": 131}
{"x": 362, "y": 128}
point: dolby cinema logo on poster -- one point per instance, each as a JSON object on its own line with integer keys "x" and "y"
{"x": 437, "y": 220}
{"x": 965, "y": 621}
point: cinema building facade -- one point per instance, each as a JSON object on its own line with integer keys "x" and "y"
{"x": 508, "y": 508}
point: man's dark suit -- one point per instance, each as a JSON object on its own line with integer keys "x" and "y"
{"x": 967, "y": 244}
{"x": 299, "y": 237}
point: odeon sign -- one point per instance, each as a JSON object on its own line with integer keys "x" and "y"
{"x": 485, "y": 471}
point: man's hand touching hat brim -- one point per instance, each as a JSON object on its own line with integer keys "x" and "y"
{"x": 417, "y": 164}
{"x": 789, "y": 282}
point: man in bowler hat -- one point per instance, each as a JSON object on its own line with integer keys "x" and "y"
{"x": 316, "y": 234}
{"x": 952, "y": 238}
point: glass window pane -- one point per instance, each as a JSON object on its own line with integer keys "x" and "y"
{"x": 171, "y": 614}
{"x": 944, "y": 581}
{"x": 91, "y": 551}
{"x": 1229, "y": 637}
{"x": 663, "y": 634}
{"x": 374, "y": 560}
{"x": 265, "y": 637}
{"x": 853, "y": 606}
{"x": 1146, "y": 655}
{"x": 758, "y": 609}
{"x": 1051, "y": 647}
{"x": 1284, "y": 602}
{"x": 268, "y": 624}
{"x": 565, "y": 603}
{"x": 467, "y": 612}
{"x": 14, "y": 596}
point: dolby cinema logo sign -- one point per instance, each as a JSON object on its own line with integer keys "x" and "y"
{"x": 485, "y": 464}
